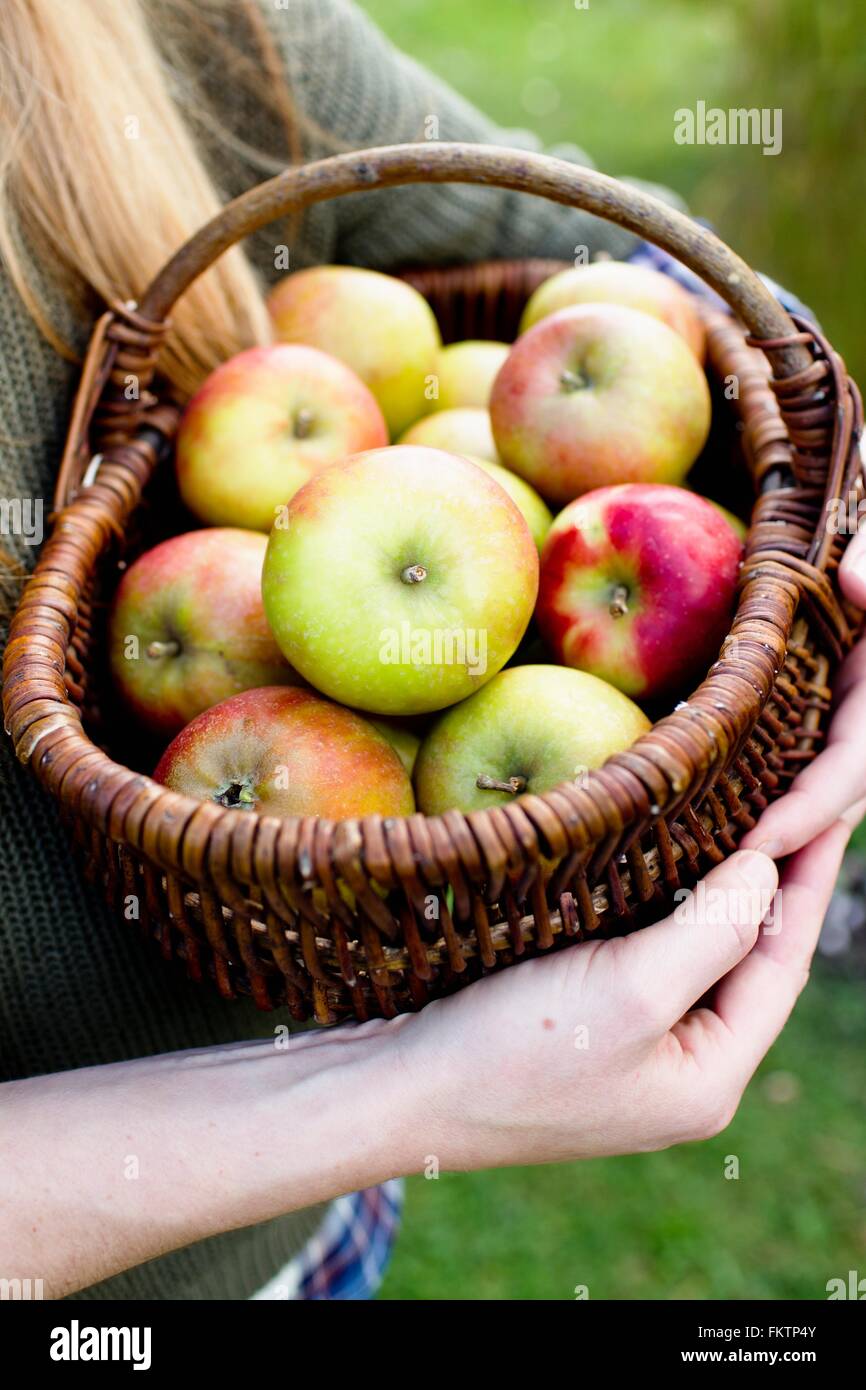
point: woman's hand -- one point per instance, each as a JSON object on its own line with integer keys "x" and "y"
{"x": 832, "y": 787}
{"x": 604, "y": 1048}
{"x": 598, "y": 1049}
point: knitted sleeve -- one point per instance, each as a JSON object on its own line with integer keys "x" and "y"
{"x": 353, "y": 90}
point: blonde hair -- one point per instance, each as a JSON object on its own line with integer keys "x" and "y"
{"x": 100, "y": 178}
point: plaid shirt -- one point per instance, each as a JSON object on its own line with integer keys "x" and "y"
{"x": 653, "y": 256}
{"x": 348, "y": 1255}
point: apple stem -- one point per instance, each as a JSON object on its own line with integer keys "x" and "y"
{"x": 303, "y": 423}
{"x": 619, "y": 602}
{"x": 490, "y": 784}
{"x": 574, "y": 381}
{"x": 413, "y": 574}
{"x": 158, "y": 649}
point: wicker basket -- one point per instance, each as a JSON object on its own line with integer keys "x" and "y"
{"x": 259, "y": 903}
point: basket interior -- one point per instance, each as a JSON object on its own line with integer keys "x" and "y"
{"x": 721, "y": 473}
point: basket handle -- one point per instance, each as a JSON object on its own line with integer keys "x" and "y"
{"x": 432, "y": 162}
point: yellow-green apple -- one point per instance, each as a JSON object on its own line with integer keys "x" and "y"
{"x": 284, "y": 751}
{"x": 403, "y": 740}
{"x": 403, "y": 580}
{"x": 531, "y": 729}
{"x": 617, "y": 282}
{"x": 599, "y": 394}
{"x": 464, "y": 431}
{"x": 637, "y": 586}
{"x": 536, "y": 512}
{"x": 379, "y": 326}
{"x": 466, "y": 372}
{"x": 262, "y": 424}
{"x": 187, "y": 627}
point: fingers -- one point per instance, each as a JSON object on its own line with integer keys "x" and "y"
{"x": 852, "y": 571}
{"x": 757, "y": 997}
{"x": 666, "y": 967}
{"x": 831, "y": 785}
{"x": 824, "y": 791}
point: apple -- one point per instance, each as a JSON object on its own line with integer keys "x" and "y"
{"x": 379, "y": 326}
{"x": 535, "y": 511}
{"x": 617, "y": 282}
{"x": 262, "y": 424}
{"x": 530, "y": 729}
{"x": 401, "y": 581}
{"x": 466, "y": 372}
{"x": 464, "y": 431}
{"x": 187, "y": 627}
{"x": 402, "y": 739}
{"x": 284, "y": 751}
{"x": 599, "y": 394}
{"x": 734, "y": 521}
{"x": 637, "y": 586}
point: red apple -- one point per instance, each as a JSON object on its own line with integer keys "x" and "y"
{"x": 638, "y": 585}
{"x": 262, "y": 424}
{"x": 617, "y": 282}
{"x": 599, "y": 394}
{"x": 188, "y": 629}
{"x": 287, "y": 752}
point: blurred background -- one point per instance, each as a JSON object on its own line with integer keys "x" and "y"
{"x": 609, "y": 77}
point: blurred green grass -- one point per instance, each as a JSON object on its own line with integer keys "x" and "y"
{"x": 671, "y": 1225}
{"x": 610, "y": 78}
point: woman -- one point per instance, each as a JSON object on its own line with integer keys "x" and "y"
{"x": 156, "y": 1142}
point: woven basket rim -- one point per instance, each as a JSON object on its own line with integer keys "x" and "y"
{"x": 657, "y": 776}
{"x": 162, "y": 801}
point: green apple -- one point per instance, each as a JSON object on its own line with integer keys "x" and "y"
{"x": 465, "y": 431}
{"x": 401, "y": 579}
{"x": 379, "y": 326}
{"x": 466, "y": 371}
{"x": 530, "y": 729}
{"x": 537, "y": 514}
{"x": 618, "y": 282}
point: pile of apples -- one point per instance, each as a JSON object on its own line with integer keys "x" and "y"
{"x": 365, "y": 627}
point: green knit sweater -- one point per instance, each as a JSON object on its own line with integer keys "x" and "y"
{"x": 76, "y": 987}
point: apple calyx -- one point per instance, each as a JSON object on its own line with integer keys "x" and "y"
{"x": 574, "y": 381}
{"x": 236, "y": 796}
{"x": 490, "y": 784}
{"x": 413, "y": 574}
{"x": 302, "y": 425}
{"x": 618, "y": 606}
{"x": 155, "y": 650}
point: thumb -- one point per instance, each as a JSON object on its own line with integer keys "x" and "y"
{"x": 852, "y": 571}
{"x": 710, "y": 930}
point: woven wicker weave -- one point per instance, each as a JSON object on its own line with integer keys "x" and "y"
{"x": 260, "y": 903}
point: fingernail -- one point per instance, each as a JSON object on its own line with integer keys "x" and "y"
{"x": 772, "y": 848}
{"x": 755, "y": 866}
